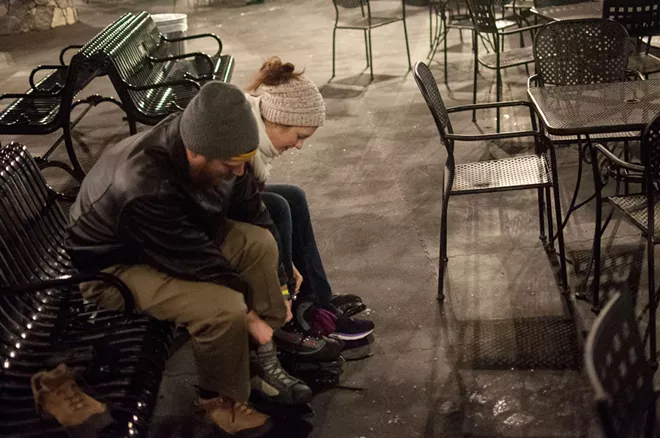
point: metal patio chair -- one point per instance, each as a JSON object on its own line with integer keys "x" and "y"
{"x": 485, "y": 25}
{"x": 641, "y": 209}
{"x": 641, "y": 18}
{"x": 619, "y": 374}
{"x": 364, "y": 21}
{"x": 534, "y": 171}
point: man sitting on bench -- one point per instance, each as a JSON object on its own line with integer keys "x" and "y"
{"x": 173, "y": 213}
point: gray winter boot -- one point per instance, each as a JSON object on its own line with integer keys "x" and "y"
{"x": 273, "y": 381}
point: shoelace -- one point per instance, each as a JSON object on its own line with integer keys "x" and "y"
{"x": 223, "y": 403}
{"x": 71, "y": 394}
{"x": 272, "y": 366}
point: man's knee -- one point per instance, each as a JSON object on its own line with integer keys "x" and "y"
{"x": 261, "y": 243}
{"x": 213, "y": 318}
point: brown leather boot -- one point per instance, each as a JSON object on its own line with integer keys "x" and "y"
{"x": 57, "y": 394}
{"x": 234, "y": 417}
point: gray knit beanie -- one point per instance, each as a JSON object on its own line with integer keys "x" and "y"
{"x": 297, "y": 102}
{"x": 219, "y": 123}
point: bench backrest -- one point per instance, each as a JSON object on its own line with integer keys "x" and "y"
{"x": 130, "y": 51}
{"x": 90, "y": 61}
{"x": 32, "y": 225}
{"x": 131, "y": 66}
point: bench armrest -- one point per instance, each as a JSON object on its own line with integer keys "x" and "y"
{"x": 41, "y": 68}
{"x": 194, "y": 37}
{"x": 76, "y": 280}
{"x": 195, "y": 55}
{"x": 66, "y": 49}
{"x": 163, "y": 85}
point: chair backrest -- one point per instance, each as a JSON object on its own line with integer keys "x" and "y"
{"x": 483, "y": 17}
{"x": 429, "y": 88}
{"x": 32, "y": 225}
{"x": 650, "y": 150}
{"x": 618, "y": 371}
{"x": 589, "y": 51}
{"x": 640, "y": 17}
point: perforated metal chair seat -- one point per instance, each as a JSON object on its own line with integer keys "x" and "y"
{"x": 612, "y": 136}
{"x": 634, "y": 208}
{"x": 510, "y": 58}
{"x": 515, "y": 173}
{"x": 363, "y": 22}
{"x": 644, "y": 63}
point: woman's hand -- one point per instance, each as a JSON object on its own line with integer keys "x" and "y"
{"x": 289, "y": 315}
{"x": 297, "y": 277}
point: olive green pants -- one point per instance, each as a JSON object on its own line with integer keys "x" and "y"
{"x": 214, "y": 315}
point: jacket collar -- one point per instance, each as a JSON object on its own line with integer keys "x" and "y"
{"x": 175, "y": 147}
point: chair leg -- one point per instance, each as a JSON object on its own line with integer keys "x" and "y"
{"x": 366, "y": 48}
{"x": 560, "y": 232}
{"x": 430, "y": 27}
{"x": 446, "y": 34}
{"x": 442, "y": 262}
{"x": 551, "y": 228}
{"x": 476, "y": 69}
{"x": 541, "y": 201}
{"x": 334, "y": 38}
{"x": 595, "y": 285}
{"x": 405, "y": 34}
{"x": 371, "y": 57}
{"x": 626, "y": 158}
{"x": 498, "y": 94}
{"x": 652, "y": 305}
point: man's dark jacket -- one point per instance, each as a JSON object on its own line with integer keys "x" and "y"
{"x": 139, "y": 205}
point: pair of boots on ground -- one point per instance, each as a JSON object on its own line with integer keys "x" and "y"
{"x": 57, "y": 394}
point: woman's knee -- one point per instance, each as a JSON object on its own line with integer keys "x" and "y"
{"x": 296, "y": 196}
{"x": 277, "y": 206}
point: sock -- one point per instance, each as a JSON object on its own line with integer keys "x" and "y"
{"x": 205, "y": 394}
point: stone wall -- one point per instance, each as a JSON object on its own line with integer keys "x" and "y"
{"x": 18, "y": 16}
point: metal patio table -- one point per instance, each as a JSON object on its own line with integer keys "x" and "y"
{"x": 585, "y": 110}
{"x": 576, "y": 11}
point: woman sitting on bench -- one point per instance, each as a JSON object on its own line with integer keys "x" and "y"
{"x": 289, "y": 109}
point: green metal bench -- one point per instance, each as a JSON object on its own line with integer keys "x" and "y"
{"x": 46, "y": 107}
{"x": 150, "y": 80}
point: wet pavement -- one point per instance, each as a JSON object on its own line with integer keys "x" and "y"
{"x": 502, "y": 357}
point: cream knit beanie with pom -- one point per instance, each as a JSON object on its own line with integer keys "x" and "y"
{"x": 297, "y": 102}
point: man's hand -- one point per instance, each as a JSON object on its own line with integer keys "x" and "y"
{"x": 297, "y": 277}
{"x": 261, "y": 332}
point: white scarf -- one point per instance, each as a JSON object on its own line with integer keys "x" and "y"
{"x": 266, "y": 152}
